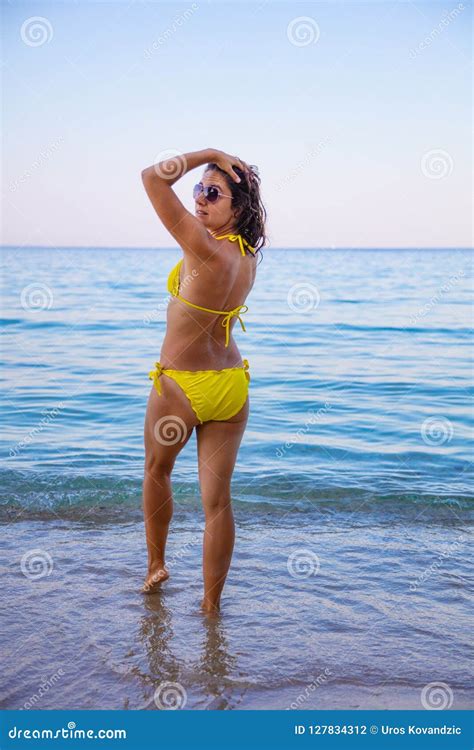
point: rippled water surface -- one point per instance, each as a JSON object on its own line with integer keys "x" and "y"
{"x": 352, "y": 492}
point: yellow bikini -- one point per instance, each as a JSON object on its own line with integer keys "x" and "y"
{"x": 213, "y": 394}
{"x": 173, "y": 288}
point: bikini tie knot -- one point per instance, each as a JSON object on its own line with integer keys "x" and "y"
{"x": 237, "y": 311}
{"x": 240, "y": 240}
{"x": 237, "y": 238}
{"x": 155, "y": 376}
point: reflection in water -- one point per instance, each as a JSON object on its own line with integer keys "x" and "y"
{"x": 216, "y": 666}
{"x": 205, "y": 682}
{"x": 156, "y": 634}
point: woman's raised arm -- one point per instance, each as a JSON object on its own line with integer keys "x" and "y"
{"x": 158, "y": 181}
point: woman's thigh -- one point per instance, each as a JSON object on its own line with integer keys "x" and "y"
{"x": 218, "y": 445}
{"x": 169, "y": 423}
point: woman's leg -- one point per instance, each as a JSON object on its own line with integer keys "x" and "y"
{"x": 169, "y": 424}
{"x": 218, "y": 444}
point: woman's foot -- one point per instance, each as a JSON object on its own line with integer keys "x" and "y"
{"x": 210, "y": 608}
{"x": 154, "y": 579}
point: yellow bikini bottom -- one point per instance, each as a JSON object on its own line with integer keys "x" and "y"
{"x": 213, "y": 394}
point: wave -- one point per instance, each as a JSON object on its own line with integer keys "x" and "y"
{"x": 43, "y": 496}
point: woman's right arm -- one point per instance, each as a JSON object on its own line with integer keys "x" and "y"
{"x": 183, "y": 225}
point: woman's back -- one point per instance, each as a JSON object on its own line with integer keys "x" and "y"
{"x": 196, "y": 337}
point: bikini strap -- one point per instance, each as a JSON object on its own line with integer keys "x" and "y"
{"x": 228, "y": 315}
{"x": 237, "y": 312}
{"x": 237, "y": 238}
{"x": 155, "y": 376}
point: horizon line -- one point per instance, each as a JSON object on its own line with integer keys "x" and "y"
{"x": 268, "y": 247}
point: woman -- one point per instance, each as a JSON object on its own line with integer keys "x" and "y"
{"x": 200, "y": 380}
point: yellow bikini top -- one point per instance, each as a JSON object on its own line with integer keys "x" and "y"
{"x": 173, "y": 287}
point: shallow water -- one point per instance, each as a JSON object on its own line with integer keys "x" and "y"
{"x": 352, "y": 491}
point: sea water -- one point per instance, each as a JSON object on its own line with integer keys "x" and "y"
{"x": 352, "y": 492}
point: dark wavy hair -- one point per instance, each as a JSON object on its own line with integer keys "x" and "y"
{"x": 247, "y": 202}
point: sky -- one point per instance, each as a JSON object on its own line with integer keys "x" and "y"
{"x": 358, "y": 116}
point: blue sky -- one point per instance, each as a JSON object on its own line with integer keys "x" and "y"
{"x": 357, "y": 115}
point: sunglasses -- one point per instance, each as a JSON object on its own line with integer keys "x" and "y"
{"x": 210, "y": 192}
